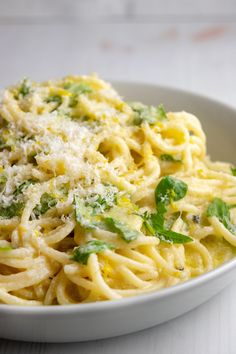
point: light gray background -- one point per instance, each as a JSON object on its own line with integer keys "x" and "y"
{"x": 186, "y": 44}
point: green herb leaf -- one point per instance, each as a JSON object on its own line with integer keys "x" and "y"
{"x": 3, "y": 181}
{"x": 170, "y": 189}
{"x": 46, "y": 202}
{"x": 100, "y": 203}
{"x": 6, "y": 248}
{"x": 55, "y": 99}
{"x": 78, "y": 88}
{"x": 83, "y": 214}
{"x": 121, "y": 229}
{"x": 170, "y": 236}
{"x": 9, "y": 211}
{"x": 153, "y": 223}
{"x": 161, "y": 113}
{"x": 220, "y": 209}
{"x": 23, "y": 186}
{"x": 169, "y": 158}
{"x": 24, "y": 88}
{"x": 82, "y": 253}
{"x": 233, "y": 170}
{"x": 73, "y": 100}
{"x": 149, "y": 114}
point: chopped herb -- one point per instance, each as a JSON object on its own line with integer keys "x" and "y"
{"x": 169, "y": 158}
{"x": 24, "y": 88}
{"x": 5, "y": 248}
{"x": 54, "y": 99}
{"x": 122, "y": 229}
{"x": 23, "y": 186}
{"x": 73, "y": 101}
{"x": 9, "y": 211}
{"x": 170, "y": 236}
{"x": 169, "y": 189}
{"x": 161, "y": 113}
{"x": 83, "y": 214}
{"x": 3, "y": 181}
{"x": 153, "y": 225}
{"x": 233, "y": 170}
{"x": 78, "y": 88}
{"x": 104, "y": 202}
{"x": 149, "y": 114}
{"x": 82, "y": 253}
{"x": 220, "y": 209}
{"x": 46, "y": 202}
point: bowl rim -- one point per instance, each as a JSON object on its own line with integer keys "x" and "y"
{"x": 101, "y": 306}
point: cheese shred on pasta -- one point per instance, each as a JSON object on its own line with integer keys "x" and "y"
{"x": 102, "y": 199}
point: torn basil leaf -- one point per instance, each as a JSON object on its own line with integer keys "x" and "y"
{"x": 46, "y": 202}
{"x": 149, "y": 114}
{"x": 101, "y": 203}
{"x": 5, "y": 248}
{"x": 3, "y": 181}
{"x": 233, "y": 170}
{"x": 121, "y": 229}
{"x": 84, "y": 214}
{"x": 24, "y": 88}
{"x": 169, "y": 158}
{"x": 78, "y": 88}
{"x": 22, "y": 187}
{"x": 153, "y": 223}
{"x": 56, "y": 99}
{"x": 220, "y": 209}
{"x": 11, "y": 210}
{"x": 170, "y": 236}
{"x": 170, "y": 189}
{"x": 82, "y": 253}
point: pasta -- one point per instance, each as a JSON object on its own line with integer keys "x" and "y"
{"x": 102, "y": 199}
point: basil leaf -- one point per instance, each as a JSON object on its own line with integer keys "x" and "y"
{"x": 24, "y": 185}
{"x": 169, "y": 158}
{"x": 161, "y": 113}
{"x": 153, "y": 223}
{"x": 170, "y": 189}
{"x": 82, "y": 253}
{"x": 3, "y": 181}
{"x": 73, "y": 101}
{"x": 46, "y": 202}
{"x": 233, "y": 170}
{"x": 55, "y": 99}
{"x": 100, "y": 203}
{"x": 170, "y": 236}
{"x": 78, "y": 88}
{"x": 149, "y": 114}
{"x": 6, "y": 248}
{"x": 24, "y": 89}
{"x": 220, "y": 209}
{"x": 121, "y": 229}
{"x": 9, "y": 211}
{"x": 83, "y": 214}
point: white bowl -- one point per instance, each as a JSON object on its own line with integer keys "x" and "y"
{"x": 117, "y": 317}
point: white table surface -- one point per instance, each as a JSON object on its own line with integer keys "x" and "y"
{"x": 192, "y": 48}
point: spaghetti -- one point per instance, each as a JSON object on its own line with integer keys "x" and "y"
{"x": 103, "y": 199}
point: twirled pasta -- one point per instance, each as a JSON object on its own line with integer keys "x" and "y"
{"x": 77, "y": 137}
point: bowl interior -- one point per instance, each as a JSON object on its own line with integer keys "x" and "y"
{"x": 218, "y": 120}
